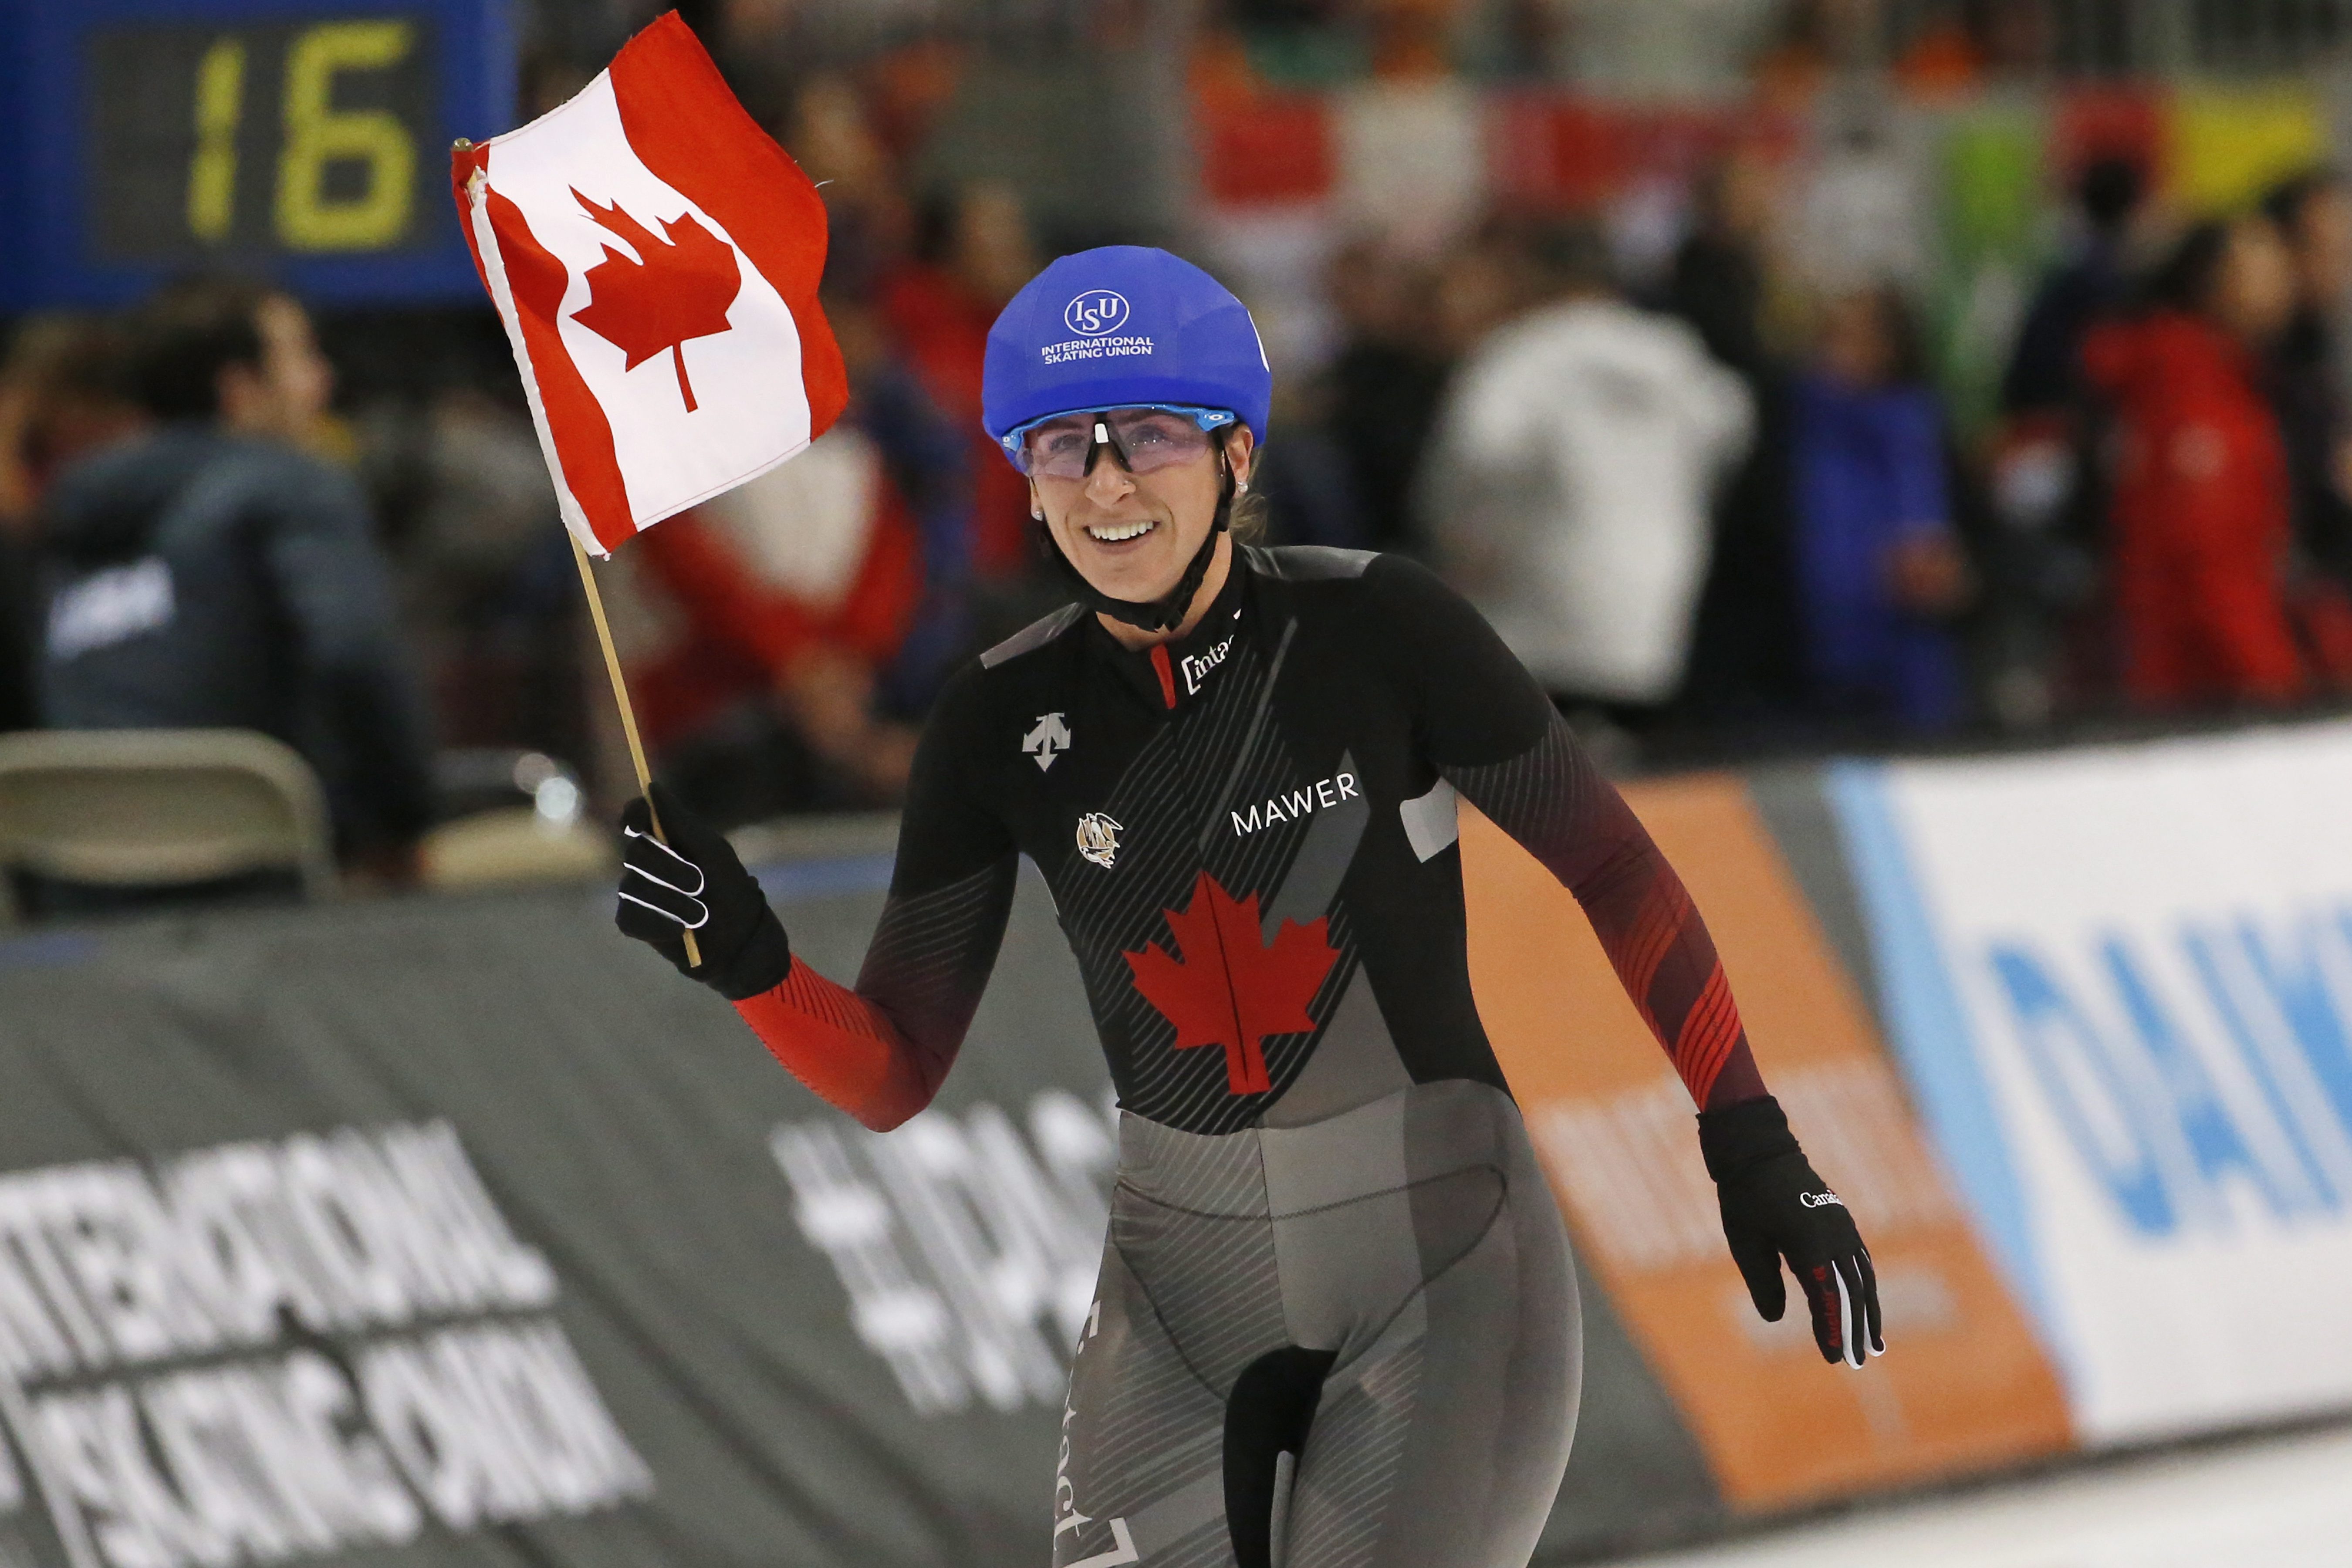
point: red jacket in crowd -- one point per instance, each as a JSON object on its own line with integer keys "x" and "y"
{"x": 2200, "y": 526}
{"x": 818, "y": 555}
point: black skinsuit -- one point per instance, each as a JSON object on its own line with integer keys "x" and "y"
{"x": 1337, "y": 1309}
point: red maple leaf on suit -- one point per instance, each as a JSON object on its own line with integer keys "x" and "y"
{"x": 1232, "y": 987}
{"x": 679, "y": 286}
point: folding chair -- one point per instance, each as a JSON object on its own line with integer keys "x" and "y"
{"x": 149, "y": 808}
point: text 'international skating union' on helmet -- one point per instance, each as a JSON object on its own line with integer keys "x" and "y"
{"x": 1120, "y": 326}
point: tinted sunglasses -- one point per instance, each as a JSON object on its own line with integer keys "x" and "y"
{"x": 1142, "y": 439}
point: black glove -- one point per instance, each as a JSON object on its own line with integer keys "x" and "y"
{"x": 696, "y": 883}
{"x": 1775, "y": 1207}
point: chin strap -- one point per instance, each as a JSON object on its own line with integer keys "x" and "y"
{"x": 1166, "y": 612}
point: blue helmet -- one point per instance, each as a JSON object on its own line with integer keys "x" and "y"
{"x": 1121, "y": 327}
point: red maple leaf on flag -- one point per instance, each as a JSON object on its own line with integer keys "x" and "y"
{"x": 1233, "y": 988}
{"x": 679, "y": 286}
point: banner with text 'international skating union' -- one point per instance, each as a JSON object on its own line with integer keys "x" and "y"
{"x": 2120, "y": 982}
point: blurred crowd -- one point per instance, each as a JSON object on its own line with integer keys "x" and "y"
{"x": 1713, "y": 499}
{"x": 2155, "y": 524}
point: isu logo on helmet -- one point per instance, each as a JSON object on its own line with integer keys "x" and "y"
{"x": 1095, "y": 313}
{"x": 1098, "y": 839}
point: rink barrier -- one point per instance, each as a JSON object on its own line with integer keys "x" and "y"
{"x": 2118, "y": 979}
{"x": 377, "y": 1228}
{"x": 404, "y": 1230}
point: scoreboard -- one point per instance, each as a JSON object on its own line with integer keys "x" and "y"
{"x": 303, "y": 141}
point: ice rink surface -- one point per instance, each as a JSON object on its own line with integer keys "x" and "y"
{"x": 2259, "y": 1502}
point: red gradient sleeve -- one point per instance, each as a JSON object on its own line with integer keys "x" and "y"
{"x": 846, "y": 1048}
{"x": 880, "y": 1050}
{"x": 1559, "y": 807}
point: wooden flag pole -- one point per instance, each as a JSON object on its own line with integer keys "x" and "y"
{"x": 629, "y": 714}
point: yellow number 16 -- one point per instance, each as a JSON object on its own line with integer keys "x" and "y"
{"x": 316, "y": 135}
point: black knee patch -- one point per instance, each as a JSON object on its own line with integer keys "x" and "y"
{"x": 1268, "y": 1413}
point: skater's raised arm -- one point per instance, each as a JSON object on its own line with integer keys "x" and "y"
{"x": 880, "y": 1049}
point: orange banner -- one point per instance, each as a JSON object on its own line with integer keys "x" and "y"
{"x": 1964, "y": 1386}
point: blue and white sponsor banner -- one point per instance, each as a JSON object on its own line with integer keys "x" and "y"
{"x": 2120, "y": 983}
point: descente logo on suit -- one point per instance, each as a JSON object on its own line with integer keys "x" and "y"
{"x": 1320, "y": 796}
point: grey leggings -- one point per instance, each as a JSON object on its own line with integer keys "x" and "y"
{"x": 1349, "y": 1345}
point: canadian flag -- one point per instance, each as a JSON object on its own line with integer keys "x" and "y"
{"x": 655, "y": 256}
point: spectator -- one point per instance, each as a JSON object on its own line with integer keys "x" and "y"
{"x": 776, "y": 606}
{"x": 490, "y": 599}
{"x": 211, "y": 573}
{"x": 1484, "y": 280}
{"x": 1863, "y": 216}
{"x": 1569, "y": 481}
{"x": 1306, "y": 483}
{"x": 974, "y": 252}
{"x": 928, "y": 461}
{"x": 796, "y": 622}
{"x": 2092, "y": 283}
{"x": 1879, "y": 570}
{"x": 1747, "y": 661}
{"x": 2313, "y": 215}
{"x": 868, "y": 216}
{"x": 1382, "y": 390}
{"x": 65, "y": 390}
{"x": 2200, "y": 526}
{"x": 2048, "y": 648}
